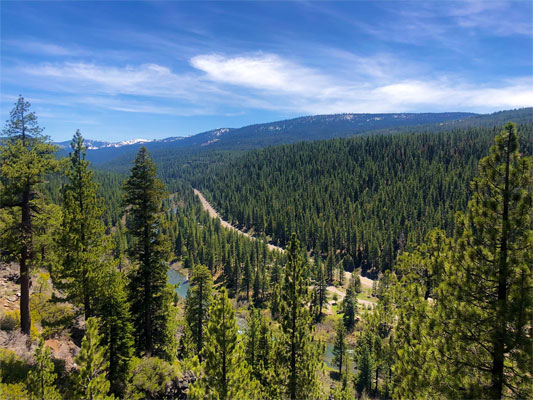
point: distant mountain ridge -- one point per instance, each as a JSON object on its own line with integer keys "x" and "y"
{"x": 317, "y": 127}
{"x": 97, "y": 144}
{"x": 309, "y": 128}
{"x": 202, "y": 139}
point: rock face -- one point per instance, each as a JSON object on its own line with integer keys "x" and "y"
{"x": 178, "y": 388}
{"x": 64, "y": 349}
{"x": 9, "y": 287}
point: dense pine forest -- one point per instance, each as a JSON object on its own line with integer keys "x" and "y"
{"x": 364, "y": 200}
{"x": 440, "y": 221}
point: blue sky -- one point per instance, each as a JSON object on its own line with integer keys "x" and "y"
{"x": 122, "y": 70}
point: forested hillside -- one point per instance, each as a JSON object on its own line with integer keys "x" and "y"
{"x": 368, "y": 197}
{"x": 279, "y": 132}
{"x": 109, "y": 188}
{"x": 94, "y": 266}
{"x": 309, "y": 128}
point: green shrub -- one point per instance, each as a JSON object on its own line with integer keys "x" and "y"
{"x": 13, "y": 391}
{"x": 151, "y": 378}
{"x": 8, "y": 321}
{"x": 54, "y": 317}
{"x": 13, "y": 369}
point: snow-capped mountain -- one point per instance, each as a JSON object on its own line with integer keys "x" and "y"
{"x": 314, "y": 127}
{"x": 97, "y": 144}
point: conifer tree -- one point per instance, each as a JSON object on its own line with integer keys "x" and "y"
{"x": 275, "y": 301}
{"x": 330, "y": 267}
{"x": 150, "y": 295}
{"x": 247, "y": 277}
{"x": 197, "y": 305}
{"x": 116, "y": 328}
{"x": 261, "y": 346}
{"x": 84, "y": 245}
{"x": 341, "y": 274}
{"x": 468, "y": 297}
{"x": 26, "y": 156}
{"x": 252, "y": 337}
{"x": 266, "y": 367}
{"x": 339, "y": 349}
{"x": 258, "y": 283}
{"x": 486, "y": 301}
{"x": 41, "y": 378}
{"x": 226, "y": 374}
{"x": 356, "y": 282}
{"x": 365, "y": 365}
{"x": 120, "y": 244}
{"x": 320, "y": 287}
{"x": 415, "y": 322}
{"x": 228, "y": 273}
{"x": 91, "y": 381}
{"x": 301, "y": 354}
{"x": 349, "y": 306}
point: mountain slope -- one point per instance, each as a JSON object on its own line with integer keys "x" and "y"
{"x": 363, "y": 198}
{"x": 301, "y": 129}
{"x": 282, "y": 132}
{"x": 319, "y": 127}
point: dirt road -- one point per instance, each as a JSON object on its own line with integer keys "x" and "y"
{"x": 341, "y": 294}
{"x": 365, "y": 282}
{"x": 213, "y": 213}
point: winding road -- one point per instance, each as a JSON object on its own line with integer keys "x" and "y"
{"x": 213, "y": 213}
{"x": 365, "y": 282}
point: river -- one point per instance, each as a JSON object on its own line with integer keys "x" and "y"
{"x": 175, "y": 277}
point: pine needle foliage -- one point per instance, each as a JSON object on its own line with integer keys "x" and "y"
{"x": 150, "y": 295}
{"x": 41, "y": 378}
{"x": 26, "y": 156}
{"x": 226, "y": 374}
{"x": 91, "y": 381}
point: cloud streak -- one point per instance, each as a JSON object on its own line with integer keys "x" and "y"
{"x": 270, "y": 82}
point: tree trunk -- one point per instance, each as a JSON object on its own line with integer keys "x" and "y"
{"x": 148, "y": 317}
{"x": 200, "y": 320}
{"x": 147, "y": 289}
{"x": 293, "y": 341}
{"x": 25, "y": 318}
{"x": 224, "y": 357}
{"x": 501, "y": 305}
{"x": 86, "y": 297}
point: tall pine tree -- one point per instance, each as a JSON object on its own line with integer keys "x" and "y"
{"x": 26, "y": 156}
{"x": 301, "y": 354}
{"x": 116, "y": 328}
{"x": 349, "y": 306}
{"x": 486, "y": 301}
{"x": 226, "y": 374}
{"x": 41, "y": 378}
{"x": 84, "y": 245}
{"x": 150, "y": 295}
{"x": 197, "y": 306}
{"x": 339, "y": 348}
{"x": 462, "y": 303}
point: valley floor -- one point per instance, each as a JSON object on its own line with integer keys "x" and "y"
{"x": 339, "y": 292}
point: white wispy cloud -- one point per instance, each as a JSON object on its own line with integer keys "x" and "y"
{"x": 369, "y": 85}
{"x": 262, "y": 71}
{"x": 145, "y": 79}
{"x": 29, "y": 45}
{"x": 501, "y": 18}
{"x": 272, "y": 82}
